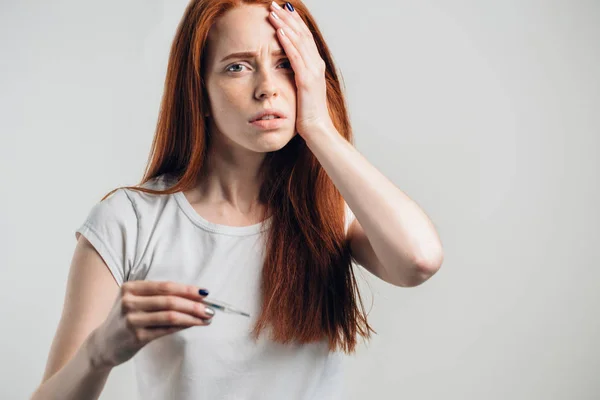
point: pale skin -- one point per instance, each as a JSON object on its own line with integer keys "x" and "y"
{"x": 104, "y": 325}
{"x": 392, "y": 237}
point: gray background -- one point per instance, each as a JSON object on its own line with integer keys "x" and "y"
{"x": 484, "y": 112}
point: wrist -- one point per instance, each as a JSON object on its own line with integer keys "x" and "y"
{"x": 321, "y": 135}
{"x": 93, "y": 355}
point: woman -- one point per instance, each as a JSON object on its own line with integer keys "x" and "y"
{"x": 250, "y": 194}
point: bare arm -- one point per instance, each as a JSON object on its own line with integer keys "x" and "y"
{"x": 71, "y": 373}
{"x": 77, "y": 379}
{"x": 392, "y": 237}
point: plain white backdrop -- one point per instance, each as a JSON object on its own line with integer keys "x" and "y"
{"x": 486, "y": 113}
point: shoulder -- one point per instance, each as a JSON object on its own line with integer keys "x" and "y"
{"x": 118, "y": 205}
{"x": 144, "y": 202}
{"x": 125, "y": 206}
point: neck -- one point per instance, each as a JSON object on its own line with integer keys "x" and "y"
{"x": 230, "y": 179}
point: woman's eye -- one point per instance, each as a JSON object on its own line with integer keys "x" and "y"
{"x": 288, "y": 63}
{"x": 234, "y": 65}
{"x": 238, "y": 67}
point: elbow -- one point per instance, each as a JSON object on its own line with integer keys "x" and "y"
{"x": 431, "y": 264}
{"x": 422, "y": 270}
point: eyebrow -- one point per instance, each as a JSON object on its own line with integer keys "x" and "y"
{"x": 250, "y": 54}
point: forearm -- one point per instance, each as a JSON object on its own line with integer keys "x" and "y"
{"x": 398, "y": 229}
{"x": 78, "y": 379}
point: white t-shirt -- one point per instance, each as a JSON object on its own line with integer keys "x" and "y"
{"x": 142, "y": 236}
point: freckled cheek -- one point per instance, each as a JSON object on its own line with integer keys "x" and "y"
{"x": 230, "y": 100}
{"x": 289, "y": 92}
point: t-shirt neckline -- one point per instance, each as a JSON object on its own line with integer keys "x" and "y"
{"x": 203, "y": 223}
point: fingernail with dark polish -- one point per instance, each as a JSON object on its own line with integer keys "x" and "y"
{"x": 289, "y": 6}
{"x": 203, "y": 292}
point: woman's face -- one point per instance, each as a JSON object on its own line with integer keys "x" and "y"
{"x": 241, "y": 86}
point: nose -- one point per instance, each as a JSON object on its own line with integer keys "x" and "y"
{"x": 266, "y": 86}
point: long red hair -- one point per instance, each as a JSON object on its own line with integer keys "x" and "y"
{"x": 309, "y": 291}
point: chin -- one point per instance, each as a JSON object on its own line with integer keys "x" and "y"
{"x": 272, "y": 141}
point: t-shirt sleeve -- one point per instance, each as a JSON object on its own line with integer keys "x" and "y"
{"x": 112, "y": 228}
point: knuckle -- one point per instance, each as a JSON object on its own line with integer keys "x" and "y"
{"x": 166, "y": 287}
{"x": 303, "y": 85}
{"x": 172, "y": 316}
{"x": 170, "y": 302}
{"x": 130, "y": 322}
{"x": 192, "y": 290}
{"x": 162, "y": 286}
{"x": 127, "y": 302}
{"x": 139, "y": 335}
{"x": 125, "y": 288}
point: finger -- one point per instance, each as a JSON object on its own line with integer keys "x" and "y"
{"x": 163, "y": 319}
{"x": 287, "y": 18}
{"x": 297, "y": 39}
{"x": 304, "y": 43}
{"x": 293, "y": 19}
{"x": 278, "y": 23}
{"x": 131, "y": 302}
{"x": 146, "y": 335}
{"x": 153, "y": 288}
{"x": 151, "y": 333}
{"x": 291, "y": 52}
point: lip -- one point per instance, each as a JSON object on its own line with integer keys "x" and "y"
{"x": 268, "y": 123}
{"x": 269, "y": 111}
